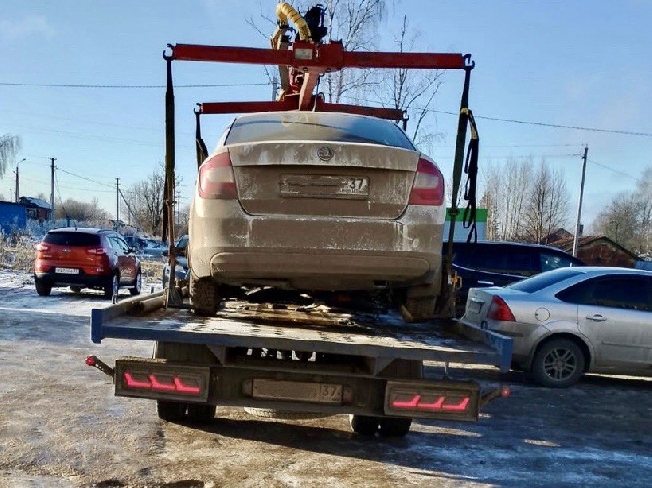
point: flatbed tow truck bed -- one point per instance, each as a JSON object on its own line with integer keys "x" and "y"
{"x": 317, "y": 329}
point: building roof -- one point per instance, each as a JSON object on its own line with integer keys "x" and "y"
{"x": 566, "y": 244}
{"x": 36, "y": 202}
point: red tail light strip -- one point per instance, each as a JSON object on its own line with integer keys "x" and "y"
{"x": 416, "y": 404}
{"x": 153, "y": 383}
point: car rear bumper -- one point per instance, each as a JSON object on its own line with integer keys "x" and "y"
{"x": 319, "y": 271}
{"x": 81, "y": 279}
{"x": 314, "y": 252}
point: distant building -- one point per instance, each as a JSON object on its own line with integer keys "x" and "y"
{"x": 13, "y": 217}
{"x": 37, "y": 209}
{"x": 598, "y": 251}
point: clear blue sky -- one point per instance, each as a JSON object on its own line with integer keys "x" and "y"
{"x": 581, "y": 63}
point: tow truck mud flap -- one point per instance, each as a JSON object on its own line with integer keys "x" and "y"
{"x": 155, "y": 378}
{"x": 437, "y": 400}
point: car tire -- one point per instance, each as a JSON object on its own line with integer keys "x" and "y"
{"x": 42, "y": 288}
{"x": 364, "y": 424}
{"x": 204, "y": 297}
{"x": 419, "y": 303}
{"x": 558, "y": 363}
{"x": 111, "y": 288}
{"x": 138, "y": 284}
{"x": 394, "y": 427}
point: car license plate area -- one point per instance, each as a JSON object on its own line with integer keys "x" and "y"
{"x": 324, "y": 186}
{"x": 432, "y": 400}
{"x": 475, "y": 306}
{"x": 297, "y": 391}
{"x": 66, "y": 271}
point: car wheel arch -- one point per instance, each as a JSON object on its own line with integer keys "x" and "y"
{"x": 579, "y": 341}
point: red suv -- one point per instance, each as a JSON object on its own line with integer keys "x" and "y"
{"x": 86, "y": 258}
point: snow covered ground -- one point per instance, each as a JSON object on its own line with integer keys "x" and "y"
{"x": 61, "y": 426}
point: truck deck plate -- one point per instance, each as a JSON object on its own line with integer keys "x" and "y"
{"x": 317, "y": 329}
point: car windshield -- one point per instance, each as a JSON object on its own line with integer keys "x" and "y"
{"x": 316, "y": 127}
{"x": 544, "y": 280}
{"x": 73, "y": 239}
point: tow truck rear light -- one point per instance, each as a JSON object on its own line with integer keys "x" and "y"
{"x": 428, "y": 186}
{"x": 162, "y": 383}
{"x": 500, "y": 311}
{"x": 216, "y": 178}
{"x": 423, "y": 399}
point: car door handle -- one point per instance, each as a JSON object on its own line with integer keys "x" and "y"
{"x": 596, "y": 318}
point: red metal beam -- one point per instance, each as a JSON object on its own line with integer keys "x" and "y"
{"x": 292, "y": 103}
{"x": 326, "y": 57}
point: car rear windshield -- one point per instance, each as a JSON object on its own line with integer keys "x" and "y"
{"x": 544, "y": 280}
{"x": 72, "y": 239}
{"x": 309, "y": 126}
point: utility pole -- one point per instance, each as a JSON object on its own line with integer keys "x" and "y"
{"x": 274, "y": 88}
{"x": 117, "y": 202}
{"x": 52, "y": 188}
{"x": 18, "y": 180}
{"x": 579, "y": 205}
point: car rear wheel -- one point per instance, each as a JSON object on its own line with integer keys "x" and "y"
{"x": 419, "y": 303}
{"x": 558, "y": 363}
{"x": 42, "y": 288}
{"x": 204, "y": 297}
{"x": 111, "y": 288}
{"x": 138, "y": 284}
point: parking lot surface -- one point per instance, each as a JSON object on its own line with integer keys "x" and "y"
{"x": 61, "y": 426}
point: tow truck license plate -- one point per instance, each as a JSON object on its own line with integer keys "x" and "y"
{"x": 297, "y": 391}
{"x": 66, "y": 270}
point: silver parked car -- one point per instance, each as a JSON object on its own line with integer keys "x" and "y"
{"x": 570, "y": 321}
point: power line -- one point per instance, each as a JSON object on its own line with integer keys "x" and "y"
{"x": 84, "y": 178}
{"x": 614, "y": 170}
{"x": 129, "y": 87}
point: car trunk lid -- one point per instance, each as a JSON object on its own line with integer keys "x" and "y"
{"x": 323, "y": 178}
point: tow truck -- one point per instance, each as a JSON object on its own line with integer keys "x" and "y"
{"x": 293, "y": 356}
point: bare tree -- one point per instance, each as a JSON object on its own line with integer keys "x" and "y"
{"x": 628, "y": 218}
{"x": 145, "y": 199}
{"x": 9, "y": 146}
{"x": 412, "y": 91}
{"x": 547, "y": 205}
{"x": 90, "y": 213}
{"x": 504, "y": 195}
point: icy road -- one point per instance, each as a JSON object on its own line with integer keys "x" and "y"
{"x": 60, "y": 425}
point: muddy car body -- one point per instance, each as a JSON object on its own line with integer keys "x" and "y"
{"x": 317, "y": 201}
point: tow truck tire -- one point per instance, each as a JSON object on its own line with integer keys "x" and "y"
{"x": 42, "y": 288}
{"x": 364, "y": 424}
{"x": 394, "y": 427}
{"x": 171, "y": 411}
{"x": 199, "y": 414}
{"x": 204, "y": 297}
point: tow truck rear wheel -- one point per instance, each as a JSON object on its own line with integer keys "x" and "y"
{"x": 201, "y": 414}
{"x": 171, "y": 411}
{"x": 204, "y": 297}
{"x": 364, "y": 424}
{"x": 394, "y": 427}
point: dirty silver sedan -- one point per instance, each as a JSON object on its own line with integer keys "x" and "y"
{"x": 317, "y": 201}
{"x": 571, "y": 321}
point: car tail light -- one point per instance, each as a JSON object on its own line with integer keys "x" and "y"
{"x": 500, "y": 311}
{"x": 96, "y": 251}
{"x": 428, "y": 187}
{"x": 216, "y": 178}
{"x": 42, "y": 247}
